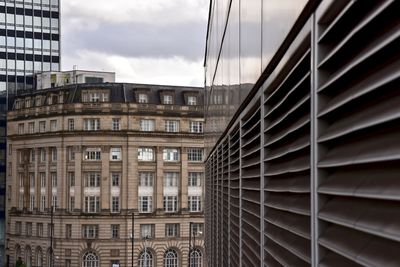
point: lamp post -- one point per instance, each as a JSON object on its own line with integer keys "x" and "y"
{"x": 51, "y": 237}
{"x": 190, "y": 242}
{"x": 133, "y": 234}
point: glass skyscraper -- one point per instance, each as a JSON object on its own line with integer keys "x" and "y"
{"x": 29, "y": 43}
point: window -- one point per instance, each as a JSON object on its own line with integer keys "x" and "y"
{"x": 53, "y": 176}
{"x": 197, "y": 229}
{"x": 171, "y": 179}
{"x": 90, "y": 231}
{"x": 54, "y": 201}
{"x": 146, "y": 259}
{"x": 115, "y": 179}
{"x": 146, "y": 230}
{"x": 94, "y": 79}
{"x": 39, "y": 229}
{"x": 170, "y": 258}
{"x": 92, "y": 179}
{"x": 50, "y": 229}
{"x": 114, "y": 230}
{"x": 145, "y": 154}
{"x": 20, "y": 128}
{"x": 194, "y": 178}
{"x": 93, "y": 96}
{"x": 71, "y": 204}
{"x": 31, "y": 127}
{"x": 32, "y": 179}
{"x": 115, "y": 153}
{"x": 116, "y": 124}
{"x": 170, "y": 203}
{"x": 167, "y": 99}
{"x": 115, "y": 204}
{"x": 145, "y": 204}
{"x": 71, "y": 124}
{"x": 71, "y": 153}
{"x": 196, "y": 126}
{"x": 90, "y": 259}
{"x": 18, "y": 228}
{"x": 192, "y": 100}
{"x": 195, "y": 154}
{"x": 53, "y": 153}
{"x": 71, "y": 179}
{"x": 194, "y": 203}
{"x": 32, "y": 155}
{"x": 147, "y": 125}
{"x": 172, "y": 230}
{"x": 28, "y": 229}
{"x": 91, "y": 124}
{"x": 42, "y": 203}
{"x": 172, "y": 126}
{"x": 93, "y": 153}
{"x": 195, "y": 258}
{"x": 92, "y": 204}
{"x": 42, "y": 153}
{"x": 68, "y": 231}
{"x": 171, "y": 154}
{"x": 146, "y": 178}
{"x": 31, "y": 202}
{"x": 143, "y": 98}
{"x": 42, "y": 126}
{"x": 53, "y": 125}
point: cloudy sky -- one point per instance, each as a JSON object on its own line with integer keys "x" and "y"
{"x": 151, "y": 41}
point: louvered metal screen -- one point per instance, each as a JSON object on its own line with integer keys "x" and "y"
{"x": 309, "y": 172}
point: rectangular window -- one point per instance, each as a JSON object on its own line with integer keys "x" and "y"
{"x": 42, "y": 153}
{"x": 71, "y": 179}
{"x": 92, "y": 179}
{"x": 115, "y": 204}
{"x": 114, "y": 231}
{"x": 197, "y": 229}
{"x": 171, "y": 154}
{"x": 172, "y": 230}
{"x": 31, "y": 202}
{"x": 115, "y": 153}
{"x": 143, "y": 98}
{"x": 28, "y": 229}
{"x": 90, "y": 231}
{"x": 192, "y": 100}
{"x": 42, "y": 176}
{"x": 71, "y": 124}
{"x": 71, "y": 153}
{"x": 116, "y": 124}
{"x": 53, "y": 176}
{"x": 146, "y": 178}
{"x": 50, "y": 229}
{"x": 115, "y": 179}
{"x": 172, "y": 126}
{"x": 42, "y": 203}
{"x": 147, "y": 125}
{"x": 18, "y": 228}
{"x": 194, "y": 203}
{"x": 32, "y": 180}
{"x": 91, "y": 124}
{"x": 195, "y": 154}
{"x": 53, "y": 153}
{"x": 53, "y": 125}
{"x": 71, "y": 204}
{"x": 171, "y": 179}
{"x": 54, "y": 202}
{"x": 20, "y": 128}
{"x": 147, "y": 230}
{"x": 145, "y": 204}
{"x": 42, "y": 126}
{"x": 93, "y": 153}
{"x": 68, "y": 231}
{"x": 92, "y": 204}
{"x": 170, "y": 203}
{"x": 32, "y": 155}
{"x": 39, "y": 229}
{"x": 167, "y": 100}
{"x": 31, "y": 127}
{"x": 196, "y": 126}
{"x": 194, "y": 178}
{"x": 145, "y": 154}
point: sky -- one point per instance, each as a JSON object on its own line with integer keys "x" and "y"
{"x": 142, "y": 41}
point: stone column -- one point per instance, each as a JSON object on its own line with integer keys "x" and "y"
{"x": 132, "y": 177}
{"x": 159, "y": 185}
{"x": 105, "y": 194}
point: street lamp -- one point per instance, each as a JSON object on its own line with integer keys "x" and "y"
{"x": 192, "y": 246}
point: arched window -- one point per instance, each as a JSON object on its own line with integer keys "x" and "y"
{"x": 146, "y": 259}
{"x": 170, "y": 258}
{"x": 28, "y": 256}
{"x": 195, "y": 258}
{"x": 49, "y": 258}
{"x": 17, "y": 253}
{"x": 39, "y": 257}
{"x": 90, "y": 259}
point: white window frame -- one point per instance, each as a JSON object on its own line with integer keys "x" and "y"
{"x": 171, "y": 126}
{"x": 195, "y": 179}
{"x": 90, "y": 231}
{"x": 71, "y": 124}
{"x": 115, "y": 204}
{"x": 171, "y": 179}
{"x": 146, "y": 179}
{"x": 192, "y": 100}
{"x": 92, "y": 204}
{"x": 91, "y": 124}
{"x": 92, "y": 153}
{"x": 172, "y": 230}
{"x": 115, "y": 153}
{"x": 115, "y": 179}
{"x": 167, "y": 100}
{"x": 53, "y": 125}
{"x": 196, "y": 126}
{"x": 170, "y": 204}
{"x": 146, "y": 154}
{"x": 145, "y": 204}
{"x": 147, "y": 230}
{"x": 195, "y": 154}
{"x": 147, "y": 125}
{"x": 42, "y": 126}
{"x": 171, "y": 154}
{"x": 92, "y": 179}
{"x": 143, "y": 98}
{"x": 116, "y": 124}
{"x": 194, "y": 203}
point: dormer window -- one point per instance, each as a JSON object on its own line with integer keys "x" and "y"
{"x": 27, "y": 103}
{"x": 143, "y": 98}
{"x": 192, "y": 100}
{"x": 95, "y": 96}
{"x": 167, "y": 100}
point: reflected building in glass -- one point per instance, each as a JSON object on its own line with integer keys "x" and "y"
{"x": 302, "y": 133}
{"x": 29, "y": 43}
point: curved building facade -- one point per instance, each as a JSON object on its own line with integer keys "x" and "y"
{"x": 87, "y": 163}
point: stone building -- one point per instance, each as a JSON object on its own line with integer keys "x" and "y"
{"x": 104, "y": 158}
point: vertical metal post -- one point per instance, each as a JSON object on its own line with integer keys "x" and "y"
{"x": 51, "y": 237}
{"x": 190, "y": 242}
